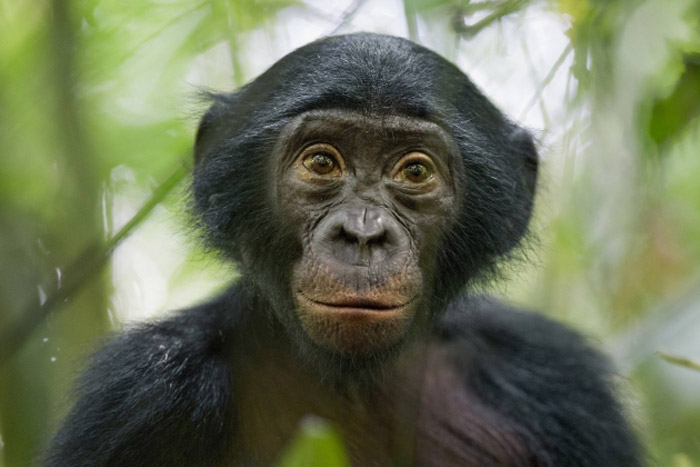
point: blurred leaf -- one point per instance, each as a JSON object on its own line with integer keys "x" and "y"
{"x": 680, "y": 361}
{"x": 316, "y": 444}
{"x": 576, "y": 9}
{"x": 671, "y": 115}
{"x": 681, "y": 460}
{"x": 594, "y": 25}
{"x": 423, "y": 5}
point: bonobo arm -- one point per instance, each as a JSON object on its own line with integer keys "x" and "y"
{"x": 157, "y": 395}
{"x": 555, "y": 390}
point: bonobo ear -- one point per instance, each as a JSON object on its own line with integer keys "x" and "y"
{"x": 211, "y": 128}
{"x": 526, "y": 162}
{"x": 224, "y": 175}
{"x": 509, "y": 185}
{"x": 231, "y": 179}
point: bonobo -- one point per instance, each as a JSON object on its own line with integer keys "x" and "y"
{"x": 359, "y": 185}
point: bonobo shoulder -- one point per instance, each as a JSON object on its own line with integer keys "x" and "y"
{"x": 545, "y": 377}
{"x": 496, "y": 326}
{"x": 150, "y": 390}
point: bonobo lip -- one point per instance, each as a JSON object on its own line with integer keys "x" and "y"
{"x": 357, "y": 303}
{"x": 355, "y": 325}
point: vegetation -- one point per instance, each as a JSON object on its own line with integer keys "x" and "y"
{"x": 97, "y": 111}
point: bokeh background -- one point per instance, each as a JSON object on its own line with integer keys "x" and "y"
{"x": 98, "y": 105}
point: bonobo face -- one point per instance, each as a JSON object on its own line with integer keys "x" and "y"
{"x": 368, "y": 198}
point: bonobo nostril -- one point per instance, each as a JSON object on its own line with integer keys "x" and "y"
{"x": 363, "y": 227}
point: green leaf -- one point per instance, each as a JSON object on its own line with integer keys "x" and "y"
{"x": 316, "y": 444}
{"x": 680, "y": 361}
{"x": 671, "y": 115}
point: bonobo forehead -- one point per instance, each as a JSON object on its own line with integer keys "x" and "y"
{"x": 390, "y": 123}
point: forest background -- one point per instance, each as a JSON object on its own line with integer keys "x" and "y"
{"x": 98, "y": 105}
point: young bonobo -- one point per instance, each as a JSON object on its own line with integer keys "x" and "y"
{"x": 359, "y": 185}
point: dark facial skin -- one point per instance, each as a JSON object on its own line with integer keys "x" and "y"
{"x": 368, "y": 199}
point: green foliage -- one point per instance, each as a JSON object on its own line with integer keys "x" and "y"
{"x": 316, "y": 444}
{"x": 97, "y": 90}
{"x": 89, "y": 90}
{"x": 672, "y": 115}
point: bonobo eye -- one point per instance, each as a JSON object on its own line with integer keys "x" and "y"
{"x": 416, "y": 172}
{"x": 320, "y": 162}
{"x": 414, "y": 167}
{"x": 322, "y": 159}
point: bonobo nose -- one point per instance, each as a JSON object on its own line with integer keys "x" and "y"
{"x": 364, "y": 227}
{"x": 361, "y": 235}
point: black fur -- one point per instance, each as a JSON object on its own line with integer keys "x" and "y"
{"x": 545, "y": 378}
{"x": 507, "y": 388}
{"x": 158, "y": 395}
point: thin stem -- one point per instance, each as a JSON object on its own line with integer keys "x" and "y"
{"x": 85, "y": 268}
{"x": 411, "y": 20}
{"x": 502, "y": 10}
{"x": 547, "y": 79}
{"x": 680, "y": 361}
{"x": 347, "y": 16}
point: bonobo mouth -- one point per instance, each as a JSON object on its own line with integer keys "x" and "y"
{"x": 356, "y": 303}
{"x": 355, "y": 324}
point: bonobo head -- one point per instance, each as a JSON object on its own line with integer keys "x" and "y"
{"x": 359, "y": 183}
